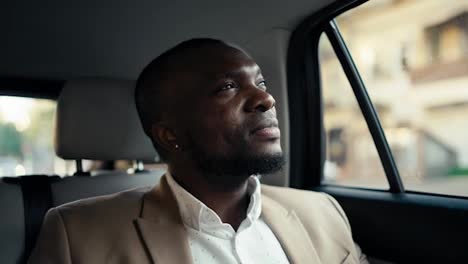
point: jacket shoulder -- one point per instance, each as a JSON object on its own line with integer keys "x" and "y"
{"x": 106, "y": 205}
{"x": 308, "y": 204}
{"x": 90, "y": 230}
{"x": 295, "y": 196}
{"x": 101, "y": 215}
{"x": 322, "y": 217}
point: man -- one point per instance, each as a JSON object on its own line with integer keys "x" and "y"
{"x": 205, "y": 106}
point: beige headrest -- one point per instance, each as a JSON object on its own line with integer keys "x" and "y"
{"x": 97, "y": 120}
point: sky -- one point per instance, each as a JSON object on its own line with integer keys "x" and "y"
{"x": 16, "y": 110}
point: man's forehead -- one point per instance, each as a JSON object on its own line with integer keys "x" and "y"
{"x": 224, "y": 63}
{"x": 198, "y": 69}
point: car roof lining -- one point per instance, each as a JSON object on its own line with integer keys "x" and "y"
{"x": 115, "y": 39}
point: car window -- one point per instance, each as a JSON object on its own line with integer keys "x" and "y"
{"x": 351, "y": 156}
{"x": 415, "y": 68}
{"x": 26, "y": 138}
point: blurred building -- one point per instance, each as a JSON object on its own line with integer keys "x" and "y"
{"x": 413, "y": 58}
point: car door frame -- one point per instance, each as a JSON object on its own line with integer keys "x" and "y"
{"x": 394, "y": 224}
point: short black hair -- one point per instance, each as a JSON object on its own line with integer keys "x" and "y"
{"x": 151, "y": 85}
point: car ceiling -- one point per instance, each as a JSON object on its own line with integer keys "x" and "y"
{"x": 64, "y": 40}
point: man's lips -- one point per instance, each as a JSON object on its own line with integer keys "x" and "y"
{"x": 268, "y": 133}
{"x": 267, "y": 129}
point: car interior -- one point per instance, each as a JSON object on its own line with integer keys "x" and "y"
{"x": 85, "y": 56}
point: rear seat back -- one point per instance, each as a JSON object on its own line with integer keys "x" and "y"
{"x": 96, "y": 120}
{"x": 36, "y": 199}
{"x": 12, "y": 228}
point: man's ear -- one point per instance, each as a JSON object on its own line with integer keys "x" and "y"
{"x": 164, "y": 136}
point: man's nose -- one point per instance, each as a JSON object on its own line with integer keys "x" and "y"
{"x": 259, "y": 100}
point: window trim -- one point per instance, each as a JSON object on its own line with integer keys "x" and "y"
{"x": 30, "y": 87}
{"x": 365, "y": 104}
{"x": 305, "y": 104}
{"x": 306, "y": 169}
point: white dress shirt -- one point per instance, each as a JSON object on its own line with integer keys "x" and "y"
{"x": 212, "y": 241}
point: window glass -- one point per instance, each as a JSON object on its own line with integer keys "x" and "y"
{"x": 352, "y": 158}
{"x": 413, "y": 58}
{"x": 26, "y": 136}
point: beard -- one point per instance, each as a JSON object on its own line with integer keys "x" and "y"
{"x": 230, "y": 172}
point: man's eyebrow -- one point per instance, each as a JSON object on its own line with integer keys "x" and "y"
{"x": 236, "y": 73}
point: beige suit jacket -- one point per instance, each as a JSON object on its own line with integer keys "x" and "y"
{"x": 144, "y": 226}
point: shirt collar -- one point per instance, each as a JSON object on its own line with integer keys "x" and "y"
{"x": 197, "y": 215}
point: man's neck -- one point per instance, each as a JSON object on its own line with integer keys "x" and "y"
{"x": 230, "y": 204}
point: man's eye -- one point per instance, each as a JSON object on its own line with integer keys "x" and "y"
{"x": 228, "y": 86}
{"x": 262, "y": 84}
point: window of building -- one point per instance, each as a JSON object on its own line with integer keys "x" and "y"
{"x": 447, "y": 39}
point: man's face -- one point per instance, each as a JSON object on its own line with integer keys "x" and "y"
{"x": 230, "y": 118}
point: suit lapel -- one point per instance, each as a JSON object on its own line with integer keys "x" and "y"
{"x": 160, "y": 227}
{"x": 290, "y": 232}
{"x": 165, "y": 239}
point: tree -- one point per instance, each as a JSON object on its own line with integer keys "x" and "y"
{"x": 10, "y": 141}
